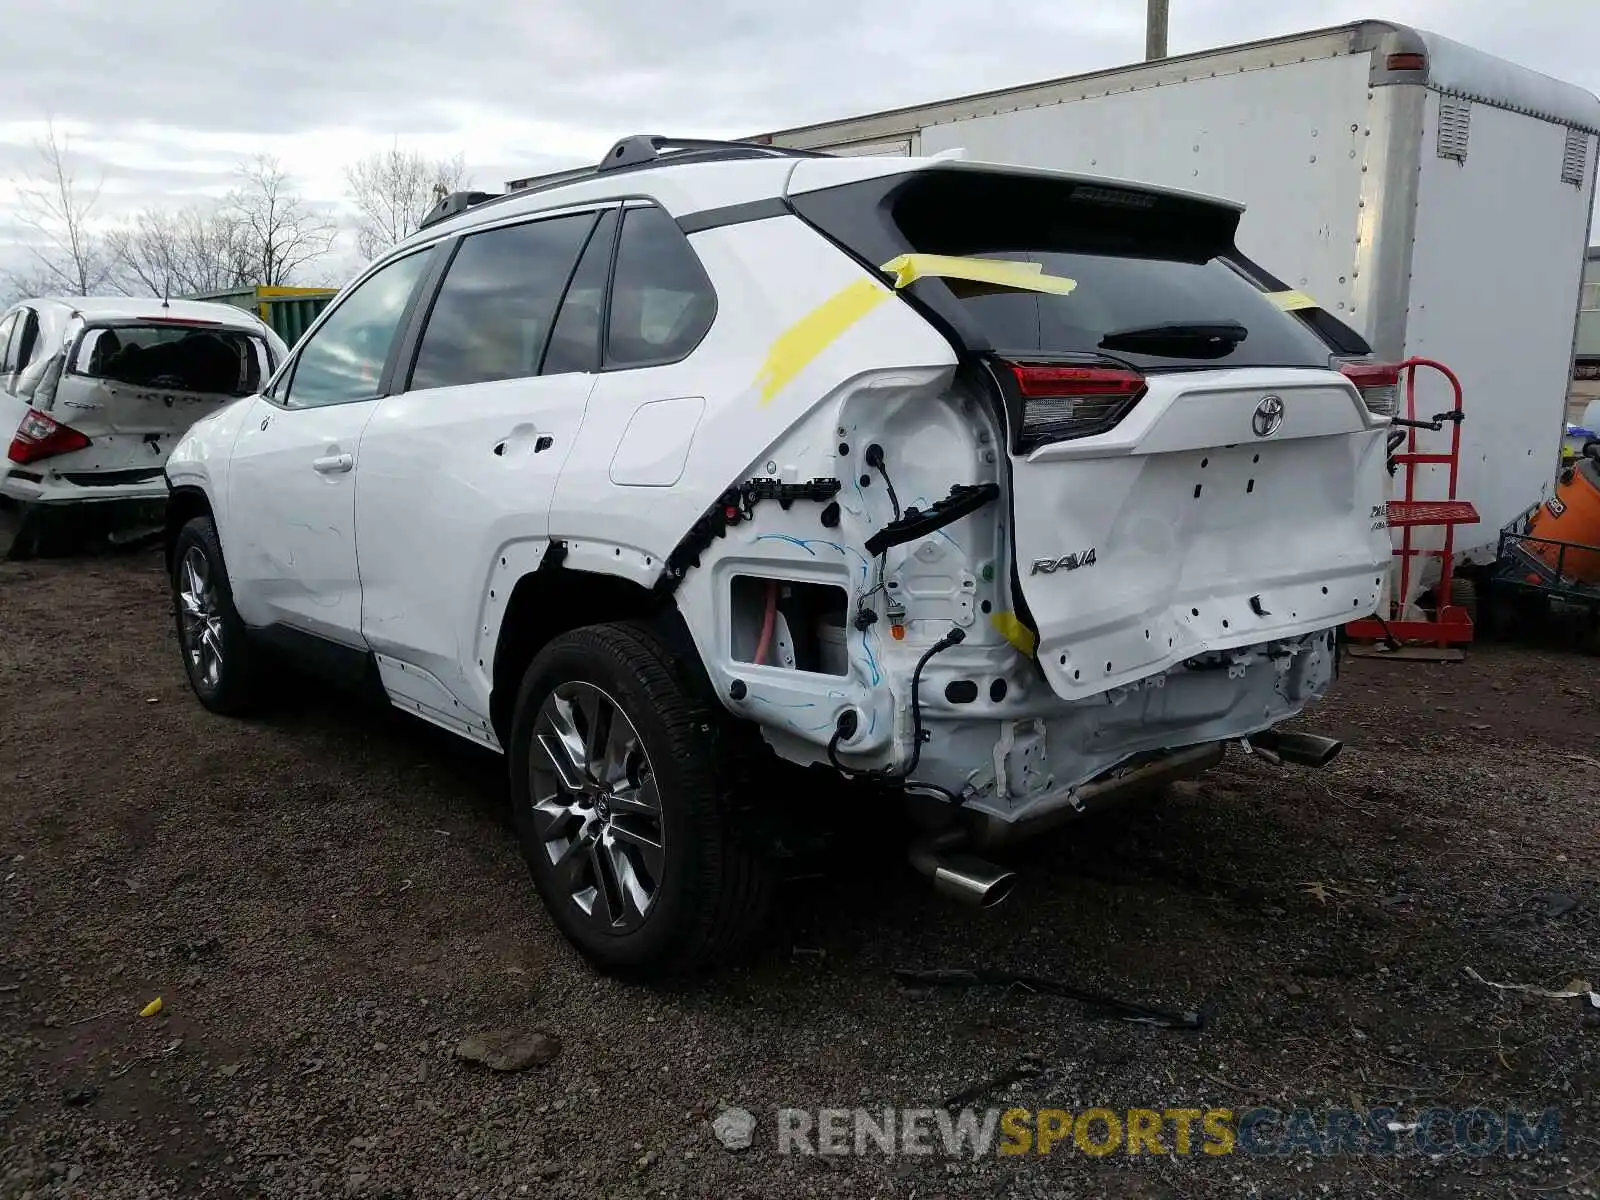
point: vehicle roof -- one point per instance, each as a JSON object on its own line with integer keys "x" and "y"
{"x": 1451, "y": 67}
{"x": 696, "y": 186}
{"x": 135, "y": 308}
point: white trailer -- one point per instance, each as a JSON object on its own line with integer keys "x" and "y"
{"x": 1433, "y": 196}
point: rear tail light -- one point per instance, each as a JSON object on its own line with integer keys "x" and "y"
{"x": 40, "y": 437}
{"x": 1379, "y": 385}
{"x": 1061, "y": 402}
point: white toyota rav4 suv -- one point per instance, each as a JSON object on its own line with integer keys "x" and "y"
{"x": 1010, "y": 490}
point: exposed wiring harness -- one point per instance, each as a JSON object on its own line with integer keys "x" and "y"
{"x": 876, "y": 462}
{"x": 847, "y": 726}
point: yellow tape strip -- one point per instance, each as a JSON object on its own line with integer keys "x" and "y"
{"x": 1292, "y": 301}
{"x": 813, "y": 333}
{"x": 1024, "y": 276}
{"x": 1014, "y": 631}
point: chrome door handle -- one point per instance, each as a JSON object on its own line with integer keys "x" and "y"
{"x": 331, "y": 464}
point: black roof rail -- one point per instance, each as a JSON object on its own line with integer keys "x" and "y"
{"x": 639, "y": 152}
{"x": 644, "y": 148}
{"x": 455, "y": 202}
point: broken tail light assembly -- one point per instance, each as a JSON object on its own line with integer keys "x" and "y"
{"x": 1061, "y": 401}
{"x": 38, "y": 437}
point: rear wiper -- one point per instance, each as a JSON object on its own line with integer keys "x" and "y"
{"x": 1194, "y": 338}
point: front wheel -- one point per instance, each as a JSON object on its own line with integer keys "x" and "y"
{"x": 624, "y": 782}
{"x": 217, "y": 654}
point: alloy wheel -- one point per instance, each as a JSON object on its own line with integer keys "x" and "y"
{"x": 201, "y": 618}
{"x": 596, "y": 806}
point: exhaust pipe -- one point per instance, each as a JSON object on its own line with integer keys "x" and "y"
{"x": 1302, "y": 749}
{"x": 960, "y": 876}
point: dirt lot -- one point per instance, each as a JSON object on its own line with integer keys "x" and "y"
{"x": 329, "y": 900}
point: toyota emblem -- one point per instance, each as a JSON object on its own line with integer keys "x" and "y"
{"x": 1268, "y": 416}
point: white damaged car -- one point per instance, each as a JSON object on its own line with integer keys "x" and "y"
{"x": 95, "y": 392}
{"x": 1011, "y": 491}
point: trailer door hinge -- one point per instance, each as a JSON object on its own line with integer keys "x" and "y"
{"x": 1575, "y": 157}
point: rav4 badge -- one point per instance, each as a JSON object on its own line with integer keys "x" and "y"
{"x": 1067, "y": 562}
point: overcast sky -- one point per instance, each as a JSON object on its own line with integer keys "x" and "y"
{"x": 163, "y": 97}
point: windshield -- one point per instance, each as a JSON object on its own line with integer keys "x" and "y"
{"x": 207, "y": 359}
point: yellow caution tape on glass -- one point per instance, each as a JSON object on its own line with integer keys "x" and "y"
{"x": 1292, "y": 301}
{"x": 1014, "y": 631}
{"x": 814, "y": 332}
{"x": 1024, "y": 276}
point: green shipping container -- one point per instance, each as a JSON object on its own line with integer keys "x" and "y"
{"x": 289, "y": 310}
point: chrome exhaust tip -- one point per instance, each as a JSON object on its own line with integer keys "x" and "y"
{"x": 961, "y": 876}
{"x": 1302, "y": 749}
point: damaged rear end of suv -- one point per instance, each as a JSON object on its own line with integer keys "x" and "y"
{"x": 1004, "y": 493}
{"x": 1117, "y": 531}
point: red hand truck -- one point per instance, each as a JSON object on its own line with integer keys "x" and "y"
{"x": 1450, "y": 623}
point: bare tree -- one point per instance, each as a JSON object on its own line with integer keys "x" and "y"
{"x": 280, "y": 232}
{"x": 69, "y": 254}
{"x": 392, "y": 191}
{"x": 176, "y": 253}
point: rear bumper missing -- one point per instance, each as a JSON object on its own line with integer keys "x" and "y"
{"x": 1036, "y": 756}
{"x": 989, "y": 831}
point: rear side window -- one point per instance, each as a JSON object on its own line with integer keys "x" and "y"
{"x": 216, "y": 361}
{"x": 1155, "y": 287}
{"x": 498, "y": 302}
{"x": 662, "y": 303}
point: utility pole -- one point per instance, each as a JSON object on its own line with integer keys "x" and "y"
{"x": 1155, "y": 30}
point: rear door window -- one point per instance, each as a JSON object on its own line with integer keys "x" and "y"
{"x": 498, "y": 302}
{"x": 575, "y": 340}
{"x": 7, "y": 328}
{"x": 174, "y": 357}
{"x": 662, "y": 303}
{"x": 26, "y": 340}
{"x": 11, "y": 340}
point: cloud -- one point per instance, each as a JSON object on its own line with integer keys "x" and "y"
{"x": 163, "y": 98}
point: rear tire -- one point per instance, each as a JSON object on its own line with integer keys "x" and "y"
{"x": 625, "y": 786}
{"x": 218, "y": 656}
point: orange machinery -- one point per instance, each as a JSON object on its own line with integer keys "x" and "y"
{"x": 1564, "y": 531}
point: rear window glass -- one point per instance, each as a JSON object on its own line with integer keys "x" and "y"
{"x": 180, "y": 358}
{"x": 1153, "y": 311}
{"x": 1154, "y": 283}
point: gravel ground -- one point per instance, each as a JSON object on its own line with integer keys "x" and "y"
{"x": 329, "y": 900}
